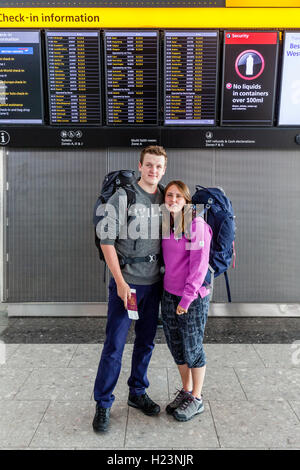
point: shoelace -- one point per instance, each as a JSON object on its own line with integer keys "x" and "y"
{"x": 148, "y": 400}
{"x": 185, "y": 403}
{"x": 178, "y": 398}
{"x": 102, "y": 412}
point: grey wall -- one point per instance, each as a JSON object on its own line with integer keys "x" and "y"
{"x": 50, "y": 236}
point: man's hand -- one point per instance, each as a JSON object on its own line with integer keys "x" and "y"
{"x": 180, "y": 310}
{"x": 124, "y": 293}
{"x": 112, "y": 261}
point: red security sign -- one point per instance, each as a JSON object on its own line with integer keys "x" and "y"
{"x": 249, "y": 75}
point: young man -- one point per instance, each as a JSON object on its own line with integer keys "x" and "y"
{"x": 141, "y": 271}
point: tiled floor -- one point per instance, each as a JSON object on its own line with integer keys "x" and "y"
{"x": 251, "y": 397}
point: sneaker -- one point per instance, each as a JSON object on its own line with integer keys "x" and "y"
{"x": 101, "y": 419}
{"x": 181, "y": 395}
{"x": 144, "y": 403}
{"x": 188, "y": 409}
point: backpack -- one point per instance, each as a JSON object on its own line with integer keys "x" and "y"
{"x": 112, "y": 181}
{"x": 219, "y": 215}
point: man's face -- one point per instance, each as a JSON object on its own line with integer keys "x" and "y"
{"x": 152, "y": 169}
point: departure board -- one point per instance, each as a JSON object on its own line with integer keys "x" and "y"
{"x": 20, "y": 78}
{"x": 73, "y": 60}
{"x": 190, "y": 88}
{"x": 131, "y": 67}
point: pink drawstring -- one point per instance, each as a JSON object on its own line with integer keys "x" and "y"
{"x": 234, "y": 255}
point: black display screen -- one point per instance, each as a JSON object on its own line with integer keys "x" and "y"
{"x": 190, "y": 82}
{"x": 249, "y": 78}
{"x": 20, "y": 78}
{"x": 73, "y": 60}
{"x": 131, "y": 69}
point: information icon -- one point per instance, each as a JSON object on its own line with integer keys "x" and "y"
{"x": 4, "y": 138}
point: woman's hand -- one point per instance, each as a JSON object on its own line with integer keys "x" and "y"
{"x": 180, "y": 310}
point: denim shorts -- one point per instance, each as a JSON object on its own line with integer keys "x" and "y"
{"x": 184, "y": 333}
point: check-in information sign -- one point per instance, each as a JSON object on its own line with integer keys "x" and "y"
{"x": 289, "y": 110}
{"x": 249, "y": 76}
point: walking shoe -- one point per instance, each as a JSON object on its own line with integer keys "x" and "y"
{"x": 159, "y": 322}
{"x": 101, "y": 419}
{"x": 188, "y": 409}
{"x": 144, "y": 403}
{"x": 171, "y": 407}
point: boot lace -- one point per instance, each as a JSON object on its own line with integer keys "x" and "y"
{"x": 185, "y": 403}
{"x": 179, "y": 395}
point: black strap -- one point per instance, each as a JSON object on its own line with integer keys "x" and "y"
{"x": 227, "y": 286}
{"x": 139, "y": 259}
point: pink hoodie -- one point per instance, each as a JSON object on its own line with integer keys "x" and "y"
{"x": 186, "y": 263}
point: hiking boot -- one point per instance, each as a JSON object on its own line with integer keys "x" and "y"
{"x": 144, "y": 403}
{"x": 171, "y": 407}
{"x": 188, "y": 409}
{"x": 159, "y": 322}
{"x": 101, "y": 419}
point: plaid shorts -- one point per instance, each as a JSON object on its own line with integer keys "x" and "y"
{"x": 184, "y": 333}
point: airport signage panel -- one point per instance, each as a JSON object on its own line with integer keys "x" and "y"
{"x": 249, "y": 78}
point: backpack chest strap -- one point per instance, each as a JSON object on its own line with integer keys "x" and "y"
{"x": 139, "y": 259}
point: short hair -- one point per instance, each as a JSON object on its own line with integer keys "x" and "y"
{"x": 153, "y": 150}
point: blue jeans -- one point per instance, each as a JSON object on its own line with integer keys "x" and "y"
{"x": 117, "y": 327}
{"x": 184, "y": 333}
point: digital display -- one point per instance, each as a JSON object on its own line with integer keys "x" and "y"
{"x": 74, "y": 77}
{"x": 289, "y": 109}
{"x": 20, "y": 78}
{"x": 191, "y": 60}
{"x": 131, "y": 67}
{"x": 249, "y": 78}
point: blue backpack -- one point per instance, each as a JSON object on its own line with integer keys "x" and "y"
{"x": 218, "y": 213}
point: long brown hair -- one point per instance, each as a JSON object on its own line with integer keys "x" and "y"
{"x": 184, "y": 222}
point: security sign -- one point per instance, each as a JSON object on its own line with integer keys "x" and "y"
{"x": 249, "y": 73}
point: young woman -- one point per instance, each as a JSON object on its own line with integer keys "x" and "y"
{"x": 185, "y": 245}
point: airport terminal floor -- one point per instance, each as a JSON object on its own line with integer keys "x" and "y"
{"x": 251, "y": 389}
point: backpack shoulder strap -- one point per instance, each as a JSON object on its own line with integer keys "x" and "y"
{"x": 131, "y": 195}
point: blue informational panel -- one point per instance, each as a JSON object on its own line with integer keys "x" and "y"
{"x": 21, "y": 99}
{"x": 289, "y": 109}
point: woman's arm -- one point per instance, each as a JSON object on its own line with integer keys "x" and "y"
{"x": 199, "y": 248}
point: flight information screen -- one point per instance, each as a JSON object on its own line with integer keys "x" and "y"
{"x": 20, "y": 78}
{"x": 190, "y": 89}
{"x": 73, "y": 60}
{"x": 131, "y": 69}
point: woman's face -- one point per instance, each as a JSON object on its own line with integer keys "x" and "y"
{"x": 174, "y": 199}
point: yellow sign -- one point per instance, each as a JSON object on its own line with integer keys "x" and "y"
{"x": 150, "y": 18}
{"x": 263, "y": 3}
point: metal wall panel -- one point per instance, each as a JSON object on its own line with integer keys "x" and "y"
{"x": 49, "y": 239}
{"x": 265, "y": 192}
{"x": 50, "y": 242}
